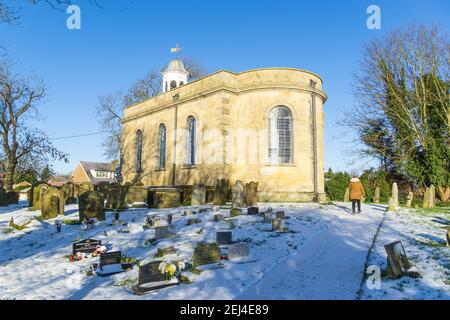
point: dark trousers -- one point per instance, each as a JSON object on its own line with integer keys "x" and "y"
{"x": 354, "y": 202}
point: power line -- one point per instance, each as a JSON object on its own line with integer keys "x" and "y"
{"x": 81, "y": 135}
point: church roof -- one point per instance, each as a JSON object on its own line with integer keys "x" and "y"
{"x": 176, "y": 66}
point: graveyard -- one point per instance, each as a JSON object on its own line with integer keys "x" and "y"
{"x": 272, "y": 251}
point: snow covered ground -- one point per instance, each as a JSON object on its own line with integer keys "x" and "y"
{"x": 322, "y": 257}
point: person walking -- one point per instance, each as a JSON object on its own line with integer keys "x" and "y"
{"x": 357, "y": 193}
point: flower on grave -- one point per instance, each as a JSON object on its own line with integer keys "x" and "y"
{"x": 170, "y": 270}
{"x": 181, "y": 265}
{"x": 162, "y": 267}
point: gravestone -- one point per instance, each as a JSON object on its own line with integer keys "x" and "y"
{"x": 161, "y": 252}
{"x": 165, "y": 197}
{"x": 221, "y": 195}
{"x": 397, "y": 261}
{"x": 198, "y": 194}
{"x": 110, "y": 263}
{"x": 136, "y": 195}
{"x": 162, "y": 232}
{"x": 87, "y": 246}
{"x": 238, "y": 250}
{"x": 52, "y": 203}
{"x": 238, "y": 195}
{"x": 252, "y": 211}
{"x": 277, "y": 225}
{"x": 115, "y": 196}
{"x": 91, "y": 205}
{"x": 347, "y": 195}
{"x": 150, "y": 278}
{"x": 234, "y": 212}
{"x": 377, "y": 196}
{"x": 448, "y": 236}
{"x": 267, "y": 217}
{"x": 409, "y": 199}
{"x": 206, "y": 253}
{"x": 36, "y": 195}
{"x": 280, "y": 215}
{"x": 190, "y": 222}
{"x": 394, "y": 193}
{"x": 251, "y": 194}
{"x": 218, "y": 217}
{"x": 429, "y": 197}
{"x": 391, "y": 205}
{"x": 224, "y": 237}
{"x": 169, "y": 218}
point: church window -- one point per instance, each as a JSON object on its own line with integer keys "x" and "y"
{"x": 173, "y": 84}
{"x": 190, "y": 141}
{"x": 162, "y": 146}
{"x": 280, "y": 135}
{"x": 139, "y": 150}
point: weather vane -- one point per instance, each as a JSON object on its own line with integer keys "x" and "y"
{"x": 176, "y": 49}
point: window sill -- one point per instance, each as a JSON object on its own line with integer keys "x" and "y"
{"x": 189, "y": 166}
{"x": 160, "y": 170}
{"x": 281, "y": 165}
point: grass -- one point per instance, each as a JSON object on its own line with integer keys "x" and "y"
{"x": 72, "y": 222}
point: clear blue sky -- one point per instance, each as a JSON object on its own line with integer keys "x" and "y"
{"x": 126, "y": 38}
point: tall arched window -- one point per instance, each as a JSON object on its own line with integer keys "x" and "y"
{"x": 139, "y": 150}
{"x": 280, "y": 135}
{"x": 190, "y": 141}
{"x": 162, "y": 146}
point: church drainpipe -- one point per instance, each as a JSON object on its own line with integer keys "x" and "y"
{"x": 315, "y": 156}
{"x": 174, "y": 157}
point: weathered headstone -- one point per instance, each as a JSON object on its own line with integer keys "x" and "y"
{"x": 224, "y": 237}
{"x": 347, "y": 195}
{"x": 87, "y": 246}
{"x": 161, "y": 252}
{"x": 190, "y": 222}
{"x": 238, "y": 195}
{"x": 280, "y": 215}
{"x": 252, "y": 211}
{"x": 218, "y": 217}
{"x": 234, "y": 212}
{"x": 221, "y": 195}
{"x": 136, "y": 196}
{"x": 394, "y": 193}
{"x": 69, "y": 193}
{"x": 267, "y": 217}
{"x": 165, "y": 197}
{"x": 277, "y": 225}
{"x": 91, "y": 205}
{"x": 52, "y": 203}
{"x": 409, "y": 199}
{"x": 115, "y": 196}
{"x": 377, "y": 196}
{"x": 162, "y": 232}
{"x": 238, "y": 250}
{"x": 206, "y": 253}
{"x": 397, "y": 261}
{"x": 391, "y": 205}
{"x": 150, "y": 278}
{"x": 110, "y": 263}
{"x": 198, "y": 194}
{"x": 251, "y": 194}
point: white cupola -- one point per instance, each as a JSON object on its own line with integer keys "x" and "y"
{"x": 174, "y": 75}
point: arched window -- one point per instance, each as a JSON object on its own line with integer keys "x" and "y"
{"x": 173, "y": 84}
{"x": 139, "y": 150}
{"x": 280, "y": 135}
{"x": 181, "y": 83}
{"x": 162, "y": 146}
{"x": 190, "y": 141}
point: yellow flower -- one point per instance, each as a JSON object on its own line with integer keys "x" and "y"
{"x": 171, "y": 269}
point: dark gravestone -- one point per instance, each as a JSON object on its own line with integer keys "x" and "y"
{"x": 280, "y": 215}
{"x": 206, "y": 253}
{"x": 235, "y": 212}
{"x": 224, "y": 237}
{"x": 91, "y": 205}
{"x": 218, "y": 217}
{"x": 110, "y": 263}
{"x": 161, "y": 252}
{"x": 193, "y": 221}
{"x": 52, "y": 203}
{"x": 151, "y": 278}
{"x": 238, "y": 250}
{"x": 267, "y": 217}
{"x": 251, "y": 194}
{"x": 85, "y": 246}
{"x": 253, "y": 211}
{"x": 277, "y": 225}
{"x": 221, "y": 195}
{"x": 162, "y": 232}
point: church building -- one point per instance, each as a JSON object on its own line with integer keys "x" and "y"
{"x": 264, "y": 125}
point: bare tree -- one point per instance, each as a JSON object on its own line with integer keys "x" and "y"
{"x": 22, "y": 146}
